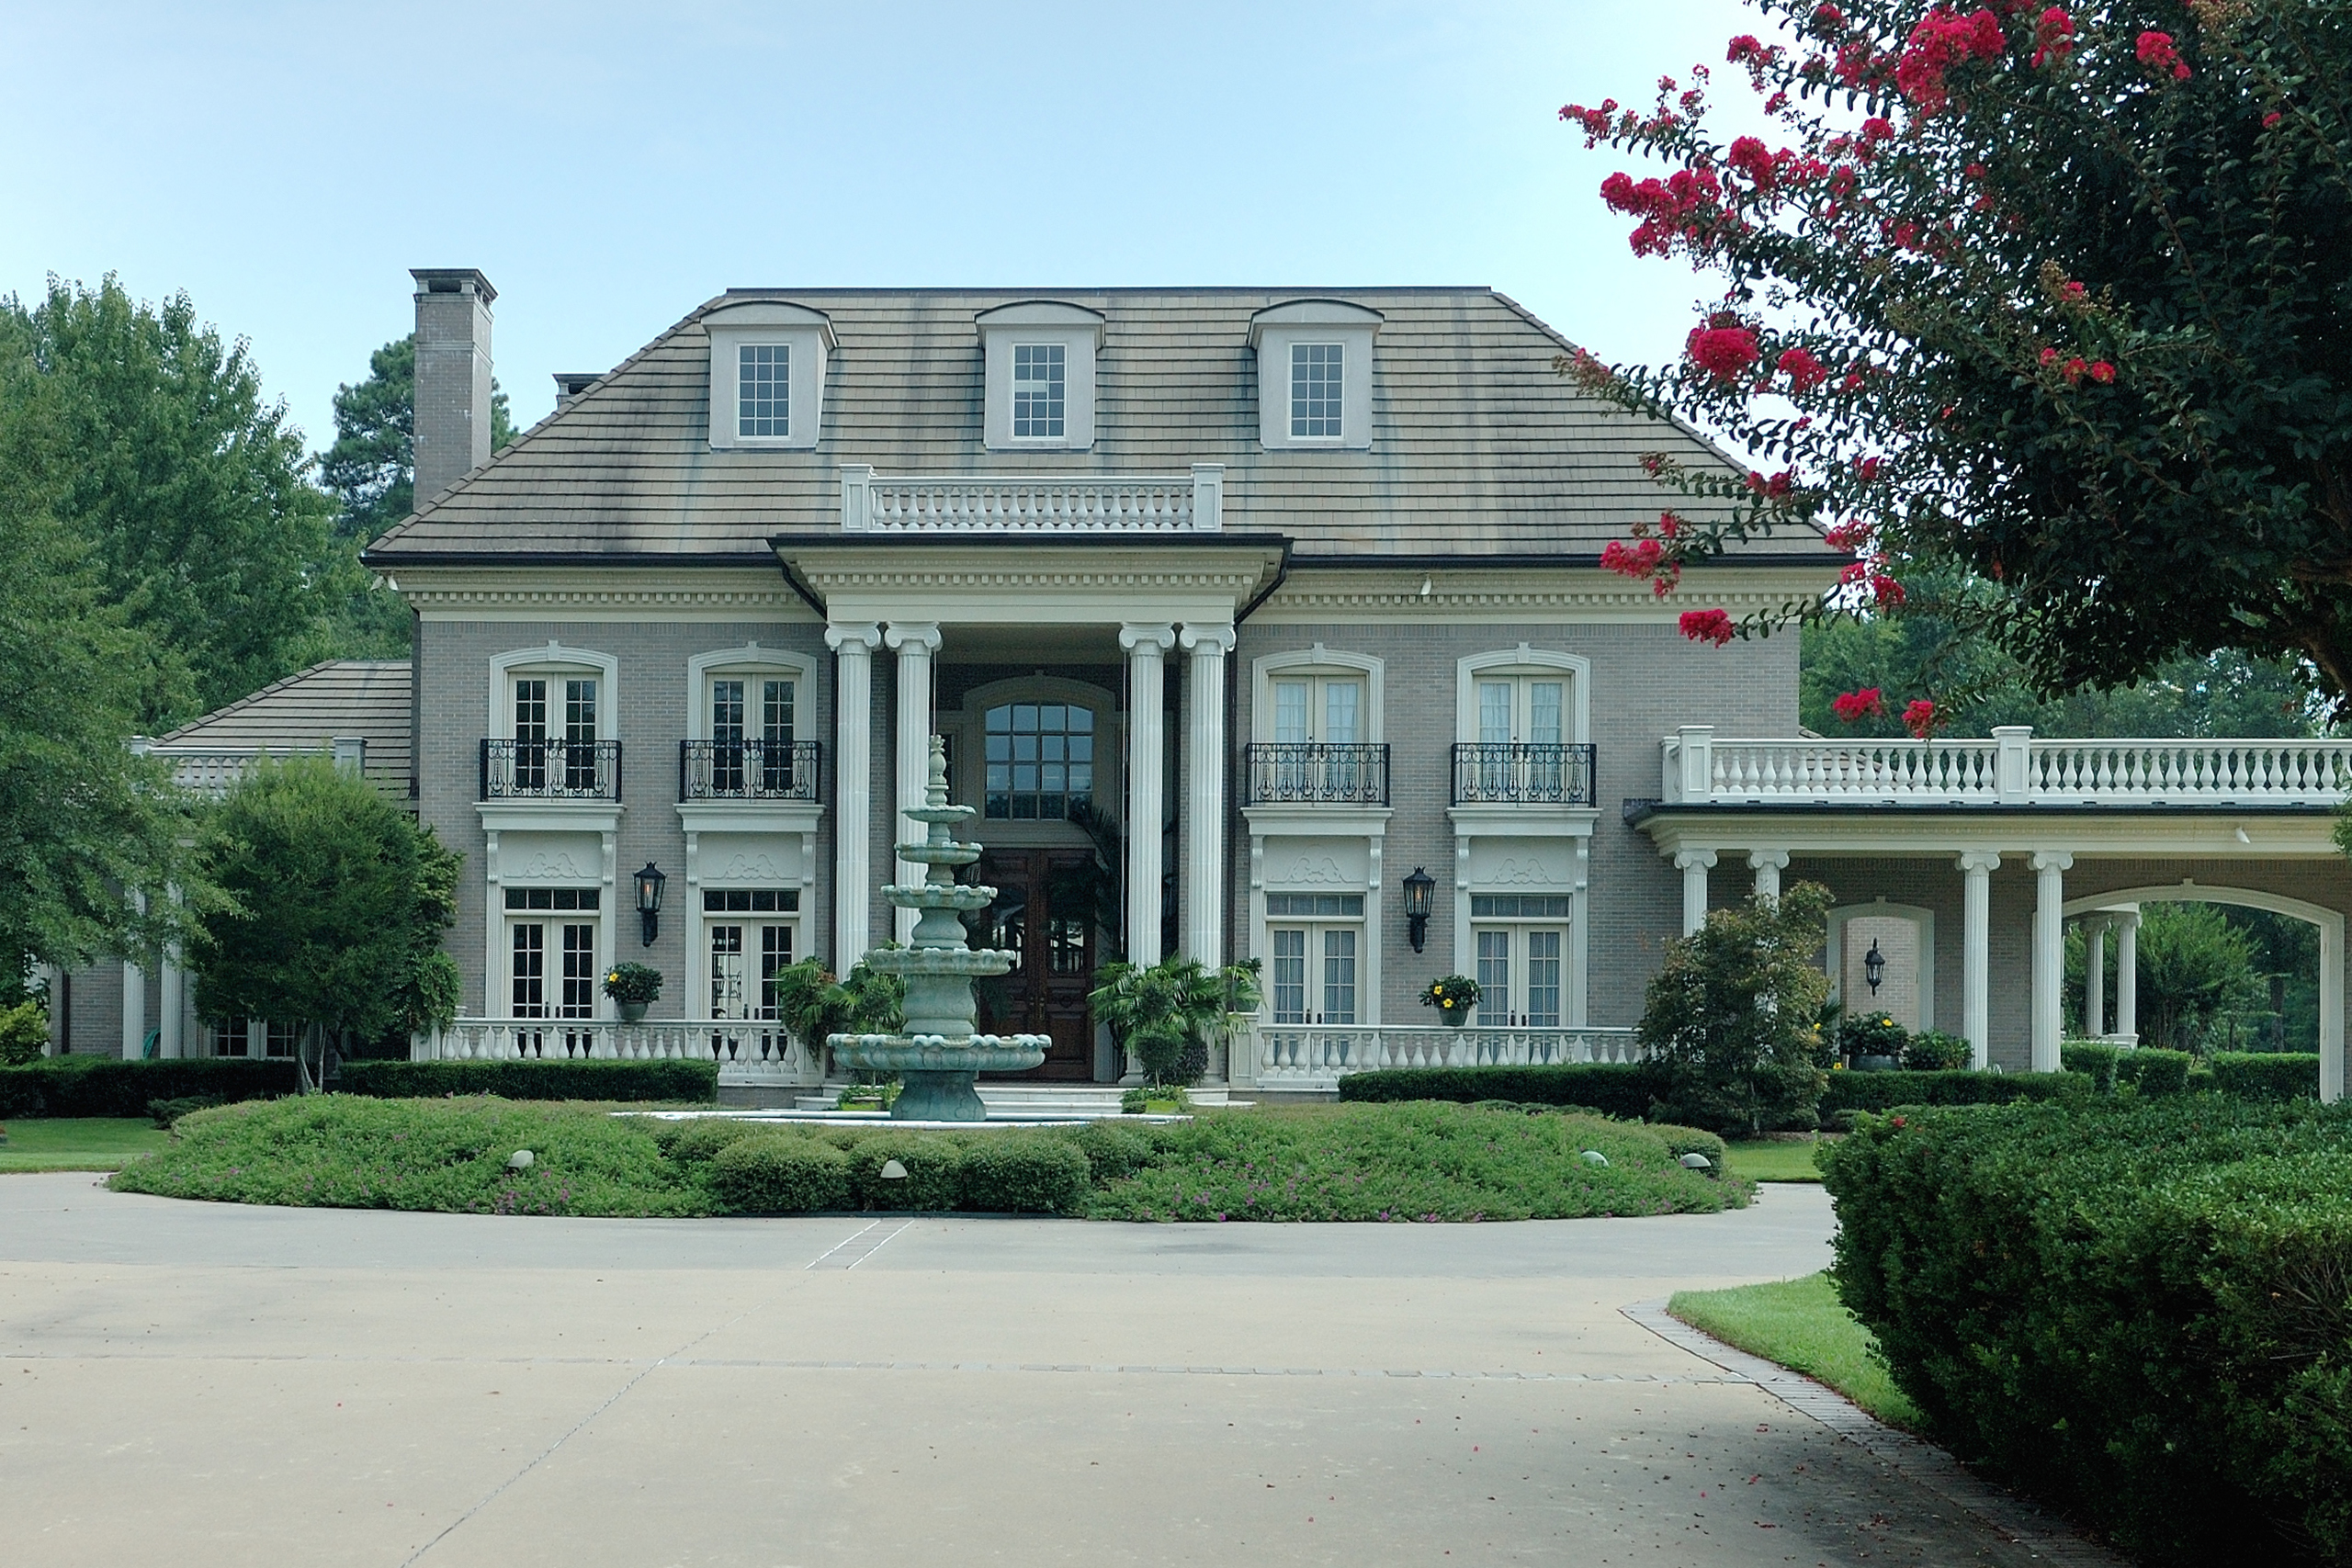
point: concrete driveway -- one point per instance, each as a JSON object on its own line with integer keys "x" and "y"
{"x": 203, "y": 1384}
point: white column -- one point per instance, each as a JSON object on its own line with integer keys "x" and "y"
{"x": 2331, "y": 1010}
{"x": 2093, "y": 979}
{"x": 915, "y": 642}
{"x": 2050, "y": 868}
{"x": 170, "y": 1005}
{"x": 1976, "y": 954}
{"x": 852, "y": 645}
{"x": 2127, "y": 973}
{"x": 1146, "y": 648}
{"x": 1203, "y": 827}
{"x": 1695, "y": 864}
{"x": 134, "y": 1009}
{"x": 1768, "y": 864}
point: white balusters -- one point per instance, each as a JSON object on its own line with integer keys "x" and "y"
{"x": 1941, "y": 772}
{"x": 1141, "y": 504}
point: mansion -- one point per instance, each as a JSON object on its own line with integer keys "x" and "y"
{"x": 1257, "y": 623}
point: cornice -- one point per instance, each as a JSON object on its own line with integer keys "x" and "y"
{"x": 1059, "y": 579}
{"x": 1570, "y": 595}
{"x": 751, "y": 592}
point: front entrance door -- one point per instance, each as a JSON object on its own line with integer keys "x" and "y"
{"x": 1043, "y": 915}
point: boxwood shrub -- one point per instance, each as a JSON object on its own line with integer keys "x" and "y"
{"x": 1614, "y": 1088}
{"x": 1882, "y": 1091}
{"x": 782, "y": 1174}
{"x": 1024, "y": 1173}
{"x": 2134, "y": 1306}
{"x": 108, "y": 1085}
{"x": 686, "y": 1081}
{"x": 2266, "y": 1075}
{"x": 2152, "y": 1071}
{"x": 934, "y": 1164}
{"x": 2094, "y": 1059}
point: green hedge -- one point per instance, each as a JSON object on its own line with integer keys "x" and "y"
{"x": 2134, "y": 1307}
{"x": 782, "y": 1176}
{"x": 108, "y": 1085}
{"x": 2095, "y": 1060}
{"x": 1026, "y": 1173}
{"x": 1884, "y": 1091}
{"x": 2152, "y": 1071}
{"x": 2266, "y": 1075}
{"x": 690, "y": 1082}
{"x": 1614, "y": 1088}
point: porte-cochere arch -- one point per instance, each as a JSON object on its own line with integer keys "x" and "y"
{"x": 2330, "y": 950}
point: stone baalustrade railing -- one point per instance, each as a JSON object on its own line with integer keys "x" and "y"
{"x": 1019, "y": 504}
{"x": 2011, "y": 769}
{"x": 1319, "y": 1055}
{"x": 747, "y": 1052}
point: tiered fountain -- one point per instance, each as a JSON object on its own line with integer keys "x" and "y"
{"x": 938, "y": 1057}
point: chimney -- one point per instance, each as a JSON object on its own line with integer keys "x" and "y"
{"x": 452, "y": 419}
{"x": 569, "y": 384}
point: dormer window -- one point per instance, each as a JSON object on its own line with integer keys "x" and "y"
{"x": 767, "y": 373}
{"x": 1040, "y": 388}
{"x": 1039, "y": 359}
{"x": 1316, "y": 398}
{"x": 1315, "y": 374}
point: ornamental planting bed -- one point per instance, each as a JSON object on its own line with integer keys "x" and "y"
{"x": 1391, "y": 1163}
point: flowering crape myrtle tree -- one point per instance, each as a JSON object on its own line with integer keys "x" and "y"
{"x": 2058, "y": 293}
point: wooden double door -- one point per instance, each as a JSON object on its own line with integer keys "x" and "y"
{"x": 1045, "y": 912}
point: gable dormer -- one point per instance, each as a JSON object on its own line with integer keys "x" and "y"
{"x": 767, "y": 373}
{"x": 1039, "y": 356}
{"x": 1315, "y": 374}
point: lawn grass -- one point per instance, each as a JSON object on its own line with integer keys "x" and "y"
{"x": 1423, "y": 1161}
{"x": 78, "y": 1143}
{"x": 1800, "y": 1324}
{"x": 1773, "y": 1161}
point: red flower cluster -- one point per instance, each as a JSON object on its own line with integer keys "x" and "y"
{"x": 1597, "y": 123}
{"x": 1725, "y": 353}
{"x": 1680, "y": 206}
{"x": 1854, "y": 706}
{"x": 2074, "y": 369}
{"x": 1828, "y": 21}
{"x": 1853, "y": 535}
{"x": 1866, "y": 469}
{"x": 1752, "y": 158}
{"x": 1885, "y": 591}
{"x": 2273, "y": 117}
{"x": 1804, "y": 371}
{"x": 1707, "y": 625}
{"x": 1636, "y": 561}
{"x": 1942, "y": 40}
{"x": 2156, "y": 51}
{"x": 2053, "y": 36}
{"x": 1920, "y": 719}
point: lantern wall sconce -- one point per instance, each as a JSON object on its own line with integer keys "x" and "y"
{"x": 1418, "y": 890}
{"x": 1874, "y": 967}
{"x": 649, "y": 899}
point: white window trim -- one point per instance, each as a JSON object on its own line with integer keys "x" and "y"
{"x": 749, "y": 659}
{"x": 1275, "y": 331}
{"x": 809, "y": 336}
{"x": 1031, "y": 324}
{"x": 1289, "y": 389}
{"x": 553, "y": 658}
{"x": 1921, "y": 918}
{"x": 1315, "y": 659}
{"x": 1524, "y": 660}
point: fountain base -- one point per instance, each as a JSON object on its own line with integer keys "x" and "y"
{"x": 937, "y": 1072}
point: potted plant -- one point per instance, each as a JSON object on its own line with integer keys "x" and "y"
{"x": 632, "y": 987}
{"x": 1453, "y": 996}
{"x": 1169, "y": 1014}
{"x": 1873, "y": 1041}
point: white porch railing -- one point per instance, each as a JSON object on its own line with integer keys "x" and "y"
{"x": 1014, "y": 503}
{"x": 2011, "y": 769}
{"x": 215, "y": 770}
{"x": 1309, "y": 1056}
{"x": 746, "y": 1051}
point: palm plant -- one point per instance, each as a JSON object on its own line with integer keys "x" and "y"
{"x": 1168, "y": 1013}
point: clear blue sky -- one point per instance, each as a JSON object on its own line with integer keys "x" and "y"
{"x": 611, "y": 166}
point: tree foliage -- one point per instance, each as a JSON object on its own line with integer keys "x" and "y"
{"x": 1732, "y": 1019}
{"x": 371, "y": 467}
{"x": 147, "y": 439}
{"x": 2054, "y": 294}
{"x": 336, "y": 901}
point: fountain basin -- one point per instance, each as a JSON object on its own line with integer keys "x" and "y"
{"x": 936, "y": 1072}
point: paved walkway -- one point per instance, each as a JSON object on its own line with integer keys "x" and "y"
{"x": 206, "y": 1384}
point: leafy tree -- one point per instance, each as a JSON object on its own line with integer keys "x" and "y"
{"x": 371, "y": 468}
{"x": 88, "y": 832}
{"x": 2225, "y": 693}
{"x": 1168, "y": 1013}
{"x": 145, "y": 436}
{"x": 2054, "y": 294}
{"x": 1732, "y": 1019}
{"x": 337, "y": 903}
{"x": 2197, "y": 965}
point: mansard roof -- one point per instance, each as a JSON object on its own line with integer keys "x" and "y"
{"x": 367, "y": 698}
{"x": 1480, "y": 447}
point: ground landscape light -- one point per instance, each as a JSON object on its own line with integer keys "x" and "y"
{"x": 649, "y": 899}
{"x": 1418, "y": 888}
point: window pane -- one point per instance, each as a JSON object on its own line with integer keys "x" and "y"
{"x": 1338, "y": 977}
{"x": 579, "y": 972}
{"x": 1290, "y": 711}
{"x": 1038, "y": 372}
{"x": 775, "y": 712}
{"x": 1543, "y": 979}
{"x": 1544, "y": 706}
{"x": 1039, "y": 760}
{"x": 1494, "y": 712}
{"x": 530, "y": 710}
{"x": 580, "y": 710}
{"x": 1290, "y": 976}
{"x": 1343, "y": 713}
{"x": 1494, "y": 977}
{"x": 764, "y": 390}
{"x": 727, "y": 711}
{"x": 1314, "y": 389}
{"x": 727, "y": 970}
{"x": 526, "y": 971}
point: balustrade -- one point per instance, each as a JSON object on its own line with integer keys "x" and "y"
{"x": 550, "y": 770}
{"x": 747, "y": 1049}
{"x": 1533, "y": 772}
{"x": 1310, "y": 772}
{"x": 999, "y": 504}
{"x": 1318, "y": 1055}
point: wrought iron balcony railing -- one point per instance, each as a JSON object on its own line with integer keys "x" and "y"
{"x": 1534, "y": 774}
{"x": 550, "y": 770}
{"x": 1313, "y": 773}
{"x": 747, "y": 770}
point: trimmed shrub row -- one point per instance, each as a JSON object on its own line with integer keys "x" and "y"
{"x": 108, "y": 1085}
{"x": 2134, "y": 1306}
{"x": 1614, "y": 1089}
{"x": 2266, "y": 1075}
{"x": 1881, "y": 1091}
{"x": 767, "y": 1170}
{"x": 687, "y": 1082}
